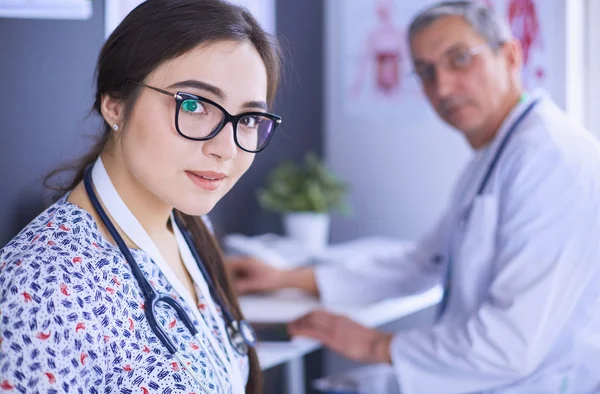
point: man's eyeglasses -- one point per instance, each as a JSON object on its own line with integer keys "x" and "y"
{"x": 454, "y": 60}
{"x": 200, "y": 119}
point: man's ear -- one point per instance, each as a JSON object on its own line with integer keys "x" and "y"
{"x": 514, "y": 54}
{"x": 112, "y": 111}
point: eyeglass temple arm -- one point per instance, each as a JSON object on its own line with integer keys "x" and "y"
{"x": 158, "y": 90}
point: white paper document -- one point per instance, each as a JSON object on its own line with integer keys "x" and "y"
{"x": 46, "y": 9}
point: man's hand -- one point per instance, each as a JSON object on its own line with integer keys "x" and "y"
{"x": 250, "y": 275}
{"x": 344, "y": 336}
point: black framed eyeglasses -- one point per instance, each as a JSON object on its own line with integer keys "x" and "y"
{"x": 200, "y": 119}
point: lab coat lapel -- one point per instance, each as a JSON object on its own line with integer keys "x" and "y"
{"x": 475, "y": 253}
{"x": 475, "y": 226}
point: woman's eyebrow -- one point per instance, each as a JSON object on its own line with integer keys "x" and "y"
{"x": 256, "y": 104}
{"x": 195, "y": 84}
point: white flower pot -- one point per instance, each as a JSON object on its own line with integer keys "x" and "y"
{"x": 308, "y": 228}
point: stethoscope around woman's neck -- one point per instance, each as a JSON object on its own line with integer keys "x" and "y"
{"x": 240, "y": 333}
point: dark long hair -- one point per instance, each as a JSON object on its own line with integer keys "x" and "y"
{"x": 155, "y": 32}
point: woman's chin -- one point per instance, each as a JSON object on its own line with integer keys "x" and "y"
{"x": 196, "y": 206}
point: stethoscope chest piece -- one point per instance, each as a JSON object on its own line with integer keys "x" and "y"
{"x": 241, "y": 335}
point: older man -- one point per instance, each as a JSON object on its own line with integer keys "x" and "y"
{"x": 518, "y": 248}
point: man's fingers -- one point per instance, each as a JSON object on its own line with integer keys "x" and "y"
{"x": 243, "y": 286}
{"x": 238, "y": 261}
{"x": 309, "y": 327}
{"x": 303, "y": 320}
{"x": 241, "y": 267}
{"x": 315, "y": 323}
{"x": 318, "y": 315}
{"x": 314, "y": 333}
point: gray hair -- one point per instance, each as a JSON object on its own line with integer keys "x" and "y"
{"x": 482, "y": 19}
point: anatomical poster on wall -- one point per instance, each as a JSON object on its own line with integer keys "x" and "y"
{"x": 116, "y": 10}
{"x": 531, "y": 21}
{"x": 376, "y": 67}
{"x": 376, "y": 70}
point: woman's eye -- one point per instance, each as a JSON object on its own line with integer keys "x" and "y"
{"x": 192, "y": 106}
{"x": 250, "y": 121}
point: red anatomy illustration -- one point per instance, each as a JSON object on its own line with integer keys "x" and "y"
{"x": 524, "y": 24}
{"x": 385, "y": 48}
{"x": 523, "y": 17}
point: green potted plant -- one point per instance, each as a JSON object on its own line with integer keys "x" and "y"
{"x": 305, "y": 194}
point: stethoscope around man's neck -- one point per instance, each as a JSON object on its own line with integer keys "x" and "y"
{"x": 240, "y": 333}
{"x": 438, "y": 258}
{"x": 504, "y": 142}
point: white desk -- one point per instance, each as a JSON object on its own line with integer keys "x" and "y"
{"x": 287, "y": 305}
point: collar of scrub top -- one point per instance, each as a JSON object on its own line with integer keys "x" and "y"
{"x": 510, "y": 125}
{"x": 129, "y": 224}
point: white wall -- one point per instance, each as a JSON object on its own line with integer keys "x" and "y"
{"x": 575, "y": 47}
{"x": 401, "y": 168}
{"x": 591, "y": 70}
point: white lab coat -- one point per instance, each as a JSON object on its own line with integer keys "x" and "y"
{"x": 524, "y": 309}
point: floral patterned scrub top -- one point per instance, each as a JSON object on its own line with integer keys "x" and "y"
{"x": 72, "y": 317}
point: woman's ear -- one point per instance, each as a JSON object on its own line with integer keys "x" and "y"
{"x": 112, "y": 111}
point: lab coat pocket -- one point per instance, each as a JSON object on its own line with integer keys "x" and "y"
{"x": 476, "y": 251}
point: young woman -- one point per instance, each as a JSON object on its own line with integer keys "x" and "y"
{"x": 120, "y": 286}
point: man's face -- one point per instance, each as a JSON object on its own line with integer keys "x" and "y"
{"x": 463, "y": 76}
